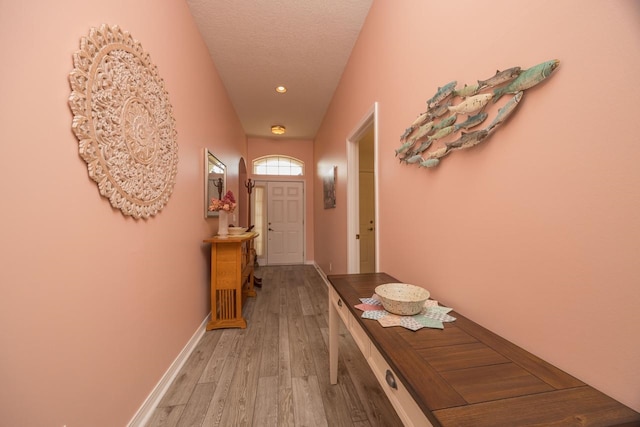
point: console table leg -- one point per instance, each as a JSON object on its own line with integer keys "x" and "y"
{"x": 333, "y": 343}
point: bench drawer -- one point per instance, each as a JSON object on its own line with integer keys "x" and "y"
{"x": 340, "y": 306}
{"x": 407, "y": 409}
{"x": 359, "y": 336}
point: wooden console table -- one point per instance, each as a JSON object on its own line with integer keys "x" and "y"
{"x": 232, "y": 279}
{"x": 464, "y": 375}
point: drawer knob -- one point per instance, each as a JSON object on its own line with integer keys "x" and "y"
{"x": 391, "y": 380}
{"x": 339, "y": 303}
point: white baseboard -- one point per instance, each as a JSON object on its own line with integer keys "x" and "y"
{"x": 322, "y": 273}
{"x": 146, "y": 410}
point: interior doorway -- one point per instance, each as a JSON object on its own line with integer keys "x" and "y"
{"x": 362, "y": 195}
{"x": 367, "y": 201}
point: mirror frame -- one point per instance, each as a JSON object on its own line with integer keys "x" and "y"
{"x": 210, "y": 162}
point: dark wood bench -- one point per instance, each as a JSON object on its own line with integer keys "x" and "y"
{"x": 466, "y": 375}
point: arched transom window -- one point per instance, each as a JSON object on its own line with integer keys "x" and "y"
{"x": 278, "y": 165}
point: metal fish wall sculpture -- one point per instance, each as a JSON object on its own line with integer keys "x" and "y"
{"x": 467, "y": 90}
{"x": 505, "y": 111}
{"x": 528, "y": 78}
{"x": 472, "y": 104}
{"x": 432, "y": 128}
{"x": 500, "y": 77}
{"x": 472, "y": 121}
{"x": 442, "y": 94}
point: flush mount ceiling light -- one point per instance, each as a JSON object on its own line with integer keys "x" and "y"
{"x": 278, "y": 129}
{"x": 281, "y": 89}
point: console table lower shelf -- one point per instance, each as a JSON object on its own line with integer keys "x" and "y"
{"x": 463, "y": 375}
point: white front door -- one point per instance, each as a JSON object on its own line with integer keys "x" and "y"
{"x": 285, "y": 223}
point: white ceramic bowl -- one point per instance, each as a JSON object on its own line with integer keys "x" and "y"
{"x": 236, "y": 230}
{"x": 402, "y": 298}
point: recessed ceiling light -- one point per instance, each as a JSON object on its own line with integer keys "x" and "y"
{"x": 281, "y": 89}
{"x": 278, "y": 129}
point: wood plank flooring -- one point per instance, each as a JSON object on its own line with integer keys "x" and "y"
{"x": 276, "y": 371}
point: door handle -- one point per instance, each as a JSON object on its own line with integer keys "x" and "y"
{"x": 270, "y": 229}
{"x": 370, "y": 228}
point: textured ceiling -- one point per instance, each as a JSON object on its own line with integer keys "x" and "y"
{"x": 257, "y": 45}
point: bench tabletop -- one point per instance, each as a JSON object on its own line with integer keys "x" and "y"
{"x": 467, "y": 375}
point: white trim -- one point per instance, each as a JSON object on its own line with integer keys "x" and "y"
{"x": 146, "y": 410}
{"x": 321, "y": 273}
{"x": 353, "y": 248}
{"x": 353, "y": 209}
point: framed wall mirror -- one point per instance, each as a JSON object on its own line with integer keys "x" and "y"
{"x": 215, "y": 180}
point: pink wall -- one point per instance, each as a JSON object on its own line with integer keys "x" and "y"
{"x": 300, "y": 149}
{"x": 95, "y": 306}
{"x": 536, "y": 233}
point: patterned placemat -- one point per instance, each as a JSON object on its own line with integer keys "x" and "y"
{"x": 431, "y": 316}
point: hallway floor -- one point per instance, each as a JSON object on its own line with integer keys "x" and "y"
{"x": 276, "y": 371}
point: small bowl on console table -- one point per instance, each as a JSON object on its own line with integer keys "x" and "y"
{"x": 402, "y": 298}
{"x": 234, "y": 231}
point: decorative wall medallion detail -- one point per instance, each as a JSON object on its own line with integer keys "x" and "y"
{"x": 123, "y": 120}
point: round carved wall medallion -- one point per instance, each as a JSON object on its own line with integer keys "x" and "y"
{"x": 123, "y": 120}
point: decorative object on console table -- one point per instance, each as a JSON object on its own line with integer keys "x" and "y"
{"x": 432, "y": 314}
{"x": 402, "y": 298}
{"x": 224, "y": 207}
{"x": 223, "y": 223}
{"x": 232, "y": 279}
{"x": 233, "y": 231}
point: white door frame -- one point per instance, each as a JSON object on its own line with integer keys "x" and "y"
{"x": 353, "y": 189}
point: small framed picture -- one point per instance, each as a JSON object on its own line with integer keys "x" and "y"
{"x": 329, "y": 186}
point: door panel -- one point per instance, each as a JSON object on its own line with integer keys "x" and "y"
{"x": 285, "y": 223}
{"x": 367, "y": 224}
